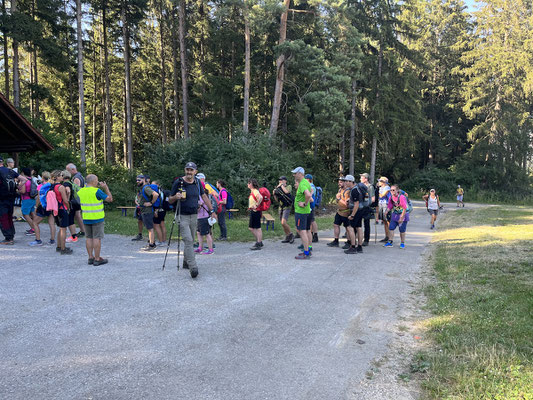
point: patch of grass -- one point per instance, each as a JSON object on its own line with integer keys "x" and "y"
{"x": 237, "y": 226}
{"x": 482, "y": 301}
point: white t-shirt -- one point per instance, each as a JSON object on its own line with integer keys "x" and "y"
{"x": 383, "y": 199}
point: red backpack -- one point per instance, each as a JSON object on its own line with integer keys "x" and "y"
{"x": 265, "y": 204}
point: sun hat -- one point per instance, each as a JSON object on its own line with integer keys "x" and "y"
{"x": 383, "y": 179}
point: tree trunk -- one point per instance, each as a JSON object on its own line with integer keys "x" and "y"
{"x": 280, "y": 72}
{"x": 16, "y": 76}
{"x": 95, "y": 93}
{"x": 183, "y": 60}
{"x": 246, "y": 71}
{"x": 108, "y": 114}
{"x": 353, "y": 127}
{"x": 163, "y": 75}
{"x": 6, "y": 55}
{"x": 127, "y": 81}
{"x": 175, "y": 78}
{"x": 375, "y": 139}
{"x": 81, "y": 111}
{"x": 37, "y": 108}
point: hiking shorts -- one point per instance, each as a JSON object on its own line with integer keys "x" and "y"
{"x": 356, "y": 221}
{"x": 75, "y": 206}
{"x": 41, "y": 212}
{"x": 302, "y": 222}
{"x": 94, "y": 231}
{"x": 312, "y": 216}
{"x": 203, "y": 226}
{"x": 284, "y": 213}
{"x": 148, "y": 220}
{"x": 159, "y": 217}
{"x": 255, "y": 220}
{"x": 62, "y": 218}
{"x": 460, "y": 198}
{"x": 28, "y": 206}
{"x": 394, "y": 224}
{"x": 71, "y": 215}
{"x": 341, "y": 220}
{"x": 433, "y": 212}
{"x": 137, "y": 213}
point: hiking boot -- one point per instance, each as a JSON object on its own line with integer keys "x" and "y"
{"x": 388, "y": 244}
{"x": 334, "y": 243}
{"x": 303, "y": 256}
{"x": 351, "y": 250}
{"x": 52, "y": 242}
{"x": 30, "y": 232}
{"x": 346, "y": 245}
{"x": 208, "y": 252}
{"x": 315, "y": 238}
{"x": 66, "y": 250}
{"x": 36, "y": 243}
{"x": 402, "y": 245}
{"x": 359, "y": 249}
{"x": 58, "y": 249}
{"x": 150, "y": 247}
{"x": 384, "y": 240}
{"x": 137, "y": 238}
{"x": 90, "y": 261}
{"x": 185, "y": 265}
{"x": 7, "y": 242}
{"x": 256, "y": 246}
{"x": 198, "y": 250}
{"x": 287, "y": 239}
{"x": 291, "y": 241}
{"x": 71, "y": 239}
{"x": 81, "y": 234}
{"x": 196, "y": 245}
{"x": 194, "y": 272}
{"x": 365, "y": 243}
{"x": 101, "y": 261}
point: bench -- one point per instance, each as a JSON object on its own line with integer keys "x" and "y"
{"x": 268, "y": 219}
{"x": 234, "y": 210}
{"x": 125, "y": 209}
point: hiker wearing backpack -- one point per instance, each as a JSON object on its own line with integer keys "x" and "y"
{"x": 187, "y": 190}
{"x": 203, "y": 231}
{"x": 460, "y": 194}
{"x": 356, "y": 207}
{"x": 73, "y": 199}
{"x": 92, "y": 197}
{"x": 225, "y": 203}
{"x": 282, "y": 194}
{"x": 60, "y": 195}
{"x": 314, "y": 194}
{"x": 255, "y": 200}
{"x": 302, "y": 211}
{"x": 28, "y": 192}
{"x": 384, "y": 196}
{"x": 398, "y": 205}
{"x": 160, "y": 214}
{"x": 432, "y": 205}
{"x": 78, "y": 182}
{"x": 41, "y": 212}
{"x": 371, "y": 197}
{"x": 146, "y": 199}
{"x": 8, "y": 192}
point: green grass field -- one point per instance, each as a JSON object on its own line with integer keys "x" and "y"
{"x": 482, "y": 302}
{"x": 237, "y": 226}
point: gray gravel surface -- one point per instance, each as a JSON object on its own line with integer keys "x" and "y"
{"x": 253, "y": 325}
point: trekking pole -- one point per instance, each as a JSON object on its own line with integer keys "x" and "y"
{"x": 170, "y": 237}
{"x": 179, "y": 232}
{"x": 376, "y": 233}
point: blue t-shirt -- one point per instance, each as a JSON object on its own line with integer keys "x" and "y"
{"x": 100, "y": 195}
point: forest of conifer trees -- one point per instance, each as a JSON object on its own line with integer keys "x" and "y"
{"x": 416, "y": 85}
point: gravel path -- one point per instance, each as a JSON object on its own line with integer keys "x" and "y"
{"x": 253, "y": 325}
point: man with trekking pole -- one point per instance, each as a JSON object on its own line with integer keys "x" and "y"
{"x": 187, "y": 191}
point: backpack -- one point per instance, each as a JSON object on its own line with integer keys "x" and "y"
{"x": 229, "y": 202}
{"x": 43, "y": 192}
{"x": 33, "y": 189}
{"x": 376, "y": 196}
{"x": 163, "y": 195}
{"x": 265, "y": 204}
{"x": 396, "y": 209}
{"x": 286, "y": 199}
{"x": 363, "y": 192}
{"x": 51, "y": 201}
{"x": 74, "y": 195}
{"x": 211, "y": 190}
{"x": 155, "y": 188}
{"x": 409, "y": 204}
{"x": 312, "y": 204}
{"x": 58, "y": 198}
{"x": 8, "y": 184}
{"x": 318, "y": 199}
{"x": 214, "y": 202}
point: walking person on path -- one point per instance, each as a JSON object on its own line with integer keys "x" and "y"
{"x": 433, "y": 205}
{"x": 302, "y": 210}
{"x": 282, "y": 194}
{"x": 399, "y": 216}
{"x": 372, "y": 197}
{"x": 223, "y": 201}
{"x": 146, "y": 199}
{"x": 254, "y": 224}
{"x": 78, "y": 180}
{"x": 341, "y": 217}
{"x": 92, "y": 207}
{"x": 460, "y": 195}
{"x": 384, "y": 196}
{"x": 41, "y": 212}
{"x": 8, "y": 192}
{"x": 187, "y": 189}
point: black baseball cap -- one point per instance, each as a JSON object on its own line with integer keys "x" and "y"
{"x": 190, "y": 164}
{"x": 283, "y": 178}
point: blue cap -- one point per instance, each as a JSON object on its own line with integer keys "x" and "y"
{"x": 309, "y": 176}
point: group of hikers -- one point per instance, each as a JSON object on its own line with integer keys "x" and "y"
{"x": 66, "y": 197}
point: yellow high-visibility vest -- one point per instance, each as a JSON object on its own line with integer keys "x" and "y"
{"x": 91, "y": 207}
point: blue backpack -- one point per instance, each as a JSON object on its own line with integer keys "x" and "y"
{"x": 318, "y": 199}
{"x": 43, "y": 191}
{"x": 155, "y": 188}
{"x": 229, "y": 201}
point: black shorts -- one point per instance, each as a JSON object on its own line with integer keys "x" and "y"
{"x": 41, "y": 212}
{"x": 203, "y": 226}
{"x": 71, "y": 215}
{"x": 312, "y": 216}
{"x": 148, "y": 220}
{"x": 357, "y": 220}
{"x": 62, "y": 219}
{"x": 302, "y": 222}
{"x": 75, "y": 206}
{"x": 340, "y": 220}
{"x": 255, "y": 220}
{"x": 160, "y": 216}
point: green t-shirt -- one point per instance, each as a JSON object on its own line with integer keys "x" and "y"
{"x": 141, "y": 200}
{"x": 300, "y": 196}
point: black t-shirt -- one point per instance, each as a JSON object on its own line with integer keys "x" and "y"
{"x": 69, "y": 185}
{"x": 194, "y": 190}
{"x": 6, "y": 173}
{"x": 356, "y": 195}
